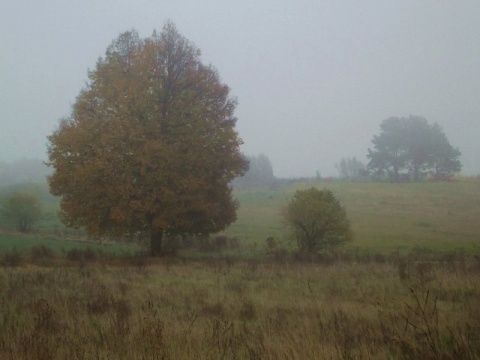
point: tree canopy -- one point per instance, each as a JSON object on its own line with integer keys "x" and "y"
{"x": 150, "y": 146}
{"x": 317, "y": 220}
{"x": 412, "y": 148}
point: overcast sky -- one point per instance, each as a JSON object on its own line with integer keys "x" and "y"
{"x": 313, "y": 79}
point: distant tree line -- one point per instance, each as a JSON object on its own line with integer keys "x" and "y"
{"x": 407, "y": 149}
{"x": 351, "y": 169}
{"x": 259, "y": 174}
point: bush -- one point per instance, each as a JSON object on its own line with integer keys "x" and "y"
{"x": 12, "y": 258}
{"x": 316, "y": 220}
{"x": 82, "y": 256}
{"x": 22, "y": 210}
{"x": 41, "y": 252}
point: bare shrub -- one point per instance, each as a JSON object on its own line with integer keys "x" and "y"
{"x": 233, "y": 243}
{"x": 41, "y": 252}
{"x": 82, "y": 257}
{"x": 220, "y": 243}
{"x": 89, "y": 254}
{"x": 281, "y": 255}
{"x": 139, "y": 260}
{"x": 416, "y": 331}
{"x": 305, "y": 257}
{"x": 325, "y": 257}
{"x": 271, "y": 243}
{"x": 74, "y": 254}
{"x": 12, "y": 258}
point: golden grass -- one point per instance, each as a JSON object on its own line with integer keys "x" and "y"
{"x": 242, "y": 309}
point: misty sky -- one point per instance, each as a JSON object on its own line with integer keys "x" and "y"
{"x": 313, "y": 79}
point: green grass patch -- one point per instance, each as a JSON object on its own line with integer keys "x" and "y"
{"x": 24, "y": 243}
{"x": 385, "y": 217}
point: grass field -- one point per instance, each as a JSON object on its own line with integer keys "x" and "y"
{"x": 9, "y": 242}
{"x": 113, "y": 308}
{"x": 385, "y": 217}
{"x": 408, "y": 287}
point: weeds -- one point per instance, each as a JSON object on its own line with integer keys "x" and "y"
{"x": 419, "y": 331}
{"x": 245, "y": 309}
{"x": 12, "y": 258}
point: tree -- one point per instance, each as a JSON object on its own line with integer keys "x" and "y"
{"x": 389, "y": 156}
{"x": 260, "y": 173}
{"x": 150, "y": 146}
{"x": 444, "y": 157}
{"x": 317, "y": 220}
{"x": 411, "y": 147}
{"x": 351, "y": 168}
{"x": 22, "y": 209}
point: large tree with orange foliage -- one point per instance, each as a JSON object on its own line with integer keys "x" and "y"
{"x": 150, "y": 146}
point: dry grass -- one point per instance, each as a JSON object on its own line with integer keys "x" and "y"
{"x": 344, "y": 308}
{"x": 385, "y": 217}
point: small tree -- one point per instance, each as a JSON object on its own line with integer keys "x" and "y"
{"x": 22, "y": 210}
{"x": 317, "y": 220}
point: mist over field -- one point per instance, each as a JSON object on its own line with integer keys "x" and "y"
{"x": 313, "y": 79}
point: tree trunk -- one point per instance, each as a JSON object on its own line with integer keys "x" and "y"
{"x": 156, "y": 242}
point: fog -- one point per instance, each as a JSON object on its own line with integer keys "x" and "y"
{"x": 313, "y": 79}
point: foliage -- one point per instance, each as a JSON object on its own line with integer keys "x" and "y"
{"x": 259, "y": 174}
{"x": 317, "y": 220}
{"x": 150, "y": 147}
{"x": 411, "y": 148}
{"x": 22, "y": 209}
{"x": 351, "y": 168}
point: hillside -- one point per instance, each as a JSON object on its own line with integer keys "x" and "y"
{"x": 385, "y": 217}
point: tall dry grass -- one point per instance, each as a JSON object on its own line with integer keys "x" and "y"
{"x": 337, "y": 307}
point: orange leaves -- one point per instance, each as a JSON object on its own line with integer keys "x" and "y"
{"x": 150, "y": 143}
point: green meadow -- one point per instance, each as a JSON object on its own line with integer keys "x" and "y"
{"x": 407, "y": 287}
{"x": 385, "y": 217}
{"x": 9, "y": 242}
